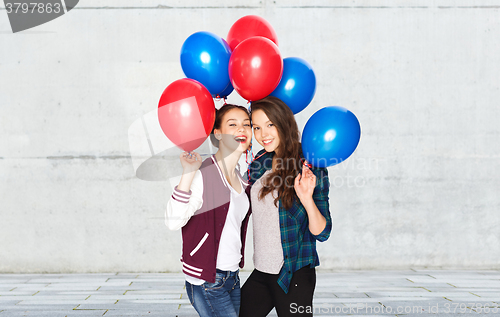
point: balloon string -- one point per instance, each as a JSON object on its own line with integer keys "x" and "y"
{"x": 219, "y": 98}
{"x": 303, "y": 161}
{"x": 201, "y": 154}
{"x": 253, "y": 159}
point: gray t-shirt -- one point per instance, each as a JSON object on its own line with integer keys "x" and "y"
{"x": 268, "y": 251}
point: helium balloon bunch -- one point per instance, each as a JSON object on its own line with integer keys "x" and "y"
{"x": 249, "y": 62}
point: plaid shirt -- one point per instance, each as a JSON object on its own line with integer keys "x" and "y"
{"x": 299, "y": 244}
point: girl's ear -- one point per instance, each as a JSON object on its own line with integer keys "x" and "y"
{"x": 217, "y": 134}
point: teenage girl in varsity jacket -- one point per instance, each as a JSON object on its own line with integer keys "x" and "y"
{"x": 212, "y": 208}
{"x": 290, "y": 213}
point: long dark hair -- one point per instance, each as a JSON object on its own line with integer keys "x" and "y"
{"x": 219, "y": 115}
{"x": 287, "y": 154}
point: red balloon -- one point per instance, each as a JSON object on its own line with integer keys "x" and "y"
{"x": 250, "y": 26}
{"x": 186, "y": 112}
{"x": 255, "y": 68}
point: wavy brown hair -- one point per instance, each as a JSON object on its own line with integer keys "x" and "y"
{"x": 287, "y": 155}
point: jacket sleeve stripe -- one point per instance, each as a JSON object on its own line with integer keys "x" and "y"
{"x": 181, "y": 193}
{"x": 180, "y": 199}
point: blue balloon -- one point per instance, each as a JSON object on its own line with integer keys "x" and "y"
{"x": 229, "y": 89}
{"x": 330, "y": 136}
{"x": 205, "y": 58}
{"x": 298, "y": 84}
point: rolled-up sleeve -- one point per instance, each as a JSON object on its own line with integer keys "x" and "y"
{"x": 182, "y": 205}
{"x": 320, "y": 197}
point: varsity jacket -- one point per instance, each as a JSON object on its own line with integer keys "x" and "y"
{"x": 201, "y": 234}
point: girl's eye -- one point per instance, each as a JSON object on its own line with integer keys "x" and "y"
{"x": 270, "y": 125}
{"x": 256, "y": 128}
{"x": 247, "y": 125}
{"x": 232, "y": 125}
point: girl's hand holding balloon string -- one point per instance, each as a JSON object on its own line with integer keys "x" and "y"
{"x": 304, "y": 186}
{"x": 190, "y": 161}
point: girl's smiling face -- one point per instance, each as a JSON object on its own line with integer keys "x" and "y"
{"x": 235, "y": 130}
{"x": 264, "y": 131}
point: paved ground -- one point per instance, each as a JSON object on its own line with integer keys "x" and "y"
{"x": 357, "y": 293}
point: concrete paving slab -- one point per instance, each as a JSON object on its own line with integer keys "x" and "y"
{"x": 103, "y": 302}
{"x": 44, "y": 304}
{"x": 89, "y": 313}
{"x": 371, "y": 300}
{"x": 6, "y": 302}
{"x": 8, "y": 308}
{"x": 124, "y": 288}
{"x": 171, "y": 290}
{"x": 56, "y": 313}
{"x": 421, "y": 293}
{"x": 24, "y": 286}
{"x": 132, "y": 294}
{"x": 6, "y": 282}
{"x": 14, "y": 293}
{"x": 149, "y": 313}
{"x": 86, "y": 293}
{"x": 178, "y": 301}
{"x": 351, "y": 295}
{"x": 486, "y": 293}
{"x": 74, "y": 287}
{"x": 409, "y": 307}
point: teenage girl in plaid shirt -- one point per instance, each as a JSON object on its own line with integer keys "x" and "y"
{"x": 290, "y": 210}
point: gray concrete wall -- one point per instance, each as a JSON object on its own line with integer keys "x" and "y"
{"x": 421, "y": 76}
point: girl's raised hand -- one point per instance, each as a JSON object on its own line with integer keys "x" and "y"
{"x": 304, "y": 184}
{"x": 190, "y": 161}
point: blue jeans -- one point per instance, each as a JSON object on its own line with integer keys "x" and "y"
{"x": 219, "y": 299}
